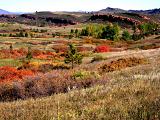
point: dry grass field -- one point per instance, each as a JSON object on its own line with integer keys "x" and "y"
{"x": 132, "y": 93}
{"x": 118, "y": 78}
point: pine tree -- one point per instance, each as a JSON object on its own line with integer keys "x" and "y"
{"x": 73, "y": 56}
{"x": 126, "y": 35}
{"x": 29, "y": 54}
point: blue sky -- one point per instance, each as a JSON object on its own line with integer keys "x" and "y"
{"x": 75, "y": 5}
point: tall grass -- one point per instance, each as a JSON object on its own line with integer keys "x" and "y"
{"x": 131, "y": 94}
{"x": 10, "y": 62}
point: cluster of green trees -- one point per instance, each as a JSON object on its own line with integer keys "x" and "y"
{"x": 148, "y": 28}
{"x": 39, "y": 30}
{"x": 93, "y": 30}
{"x": 21, "y": 34}
{"x": 4, "y": 35}
{"x": 24, "y": 34}
{"x": 74, "y": 33}
{"x": 112, "y": 32}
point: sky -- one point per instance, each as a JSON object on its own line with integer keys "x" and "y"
{"x": 75, "y": 5}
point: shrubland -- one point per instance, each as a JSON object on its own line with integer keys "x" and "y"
{"x": 131, "y": 93}
{"x": 86, "y": 71}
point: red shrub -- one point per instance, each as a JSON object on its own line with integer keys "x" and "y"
{"x": 6, "y": 53}
{"x": 9, "y": 74}
{"x": 102, "y": 48}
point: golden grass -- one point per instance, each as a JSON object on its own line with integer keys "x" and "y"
{"x": 131, "y": 94}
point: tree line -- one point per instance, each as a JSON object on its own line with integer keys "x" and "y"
{"x": 113, "y": 31}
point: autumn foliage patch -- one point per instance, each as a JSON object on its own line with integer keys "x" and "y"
{"x": 13, "y": 53}
{"x": 8, "y": 74}
{"x": 57, "y": 81}
{"x": 19, "y": 53}
{"x": 122, "y": 63}
{"x": 102, "y": 48}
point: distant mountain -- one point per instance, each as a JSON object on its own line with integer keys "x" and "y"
{"x": 117, "y": 10}
{"x": 112, "y": 10}
{"x": 9, "y": 13}
{"x": 152, "y": 11}
{"x": 4, "y": 12}
{"x": 19, "y": 13}
{"x": 44, "y": 18}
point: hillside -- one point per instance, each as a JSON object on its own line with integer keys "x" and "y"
{"x": 131, "y": 93}
{"x": 4, "y": 12}
{"x": 153, "y": 11}
{"x": 117, "y": 10}
{"x": 112, "y": 10}
{"x": 102, "y": 65}
{"x": 114, "y": 15}
{"x": 44, "y": 18}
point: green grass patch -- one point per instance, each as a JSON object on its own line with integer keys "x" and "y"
{"x": 10, "y": 62}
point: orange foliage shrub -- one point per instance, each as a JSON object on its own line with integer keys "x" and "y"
{"x": 8, "y": 74}
{"x": 122, "y": 63}
{"x": 14, "y": 53}
{"x": 43, "y": 54}
{"x": 18, "y": 53}
{"x": 60, "y": 48}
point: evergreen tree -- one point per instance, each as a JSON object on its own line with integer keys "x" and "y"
{"x": 72, "y": 31}
{"x": 76, "y": 32}
{"x": 21, "y": 34}
{"x": 73, "y": 56}
{"x": 11, "y": 48}
{"x": 29, "y": 54}
{"x": 126, "y": 35}
{"x": 26, "y": 34}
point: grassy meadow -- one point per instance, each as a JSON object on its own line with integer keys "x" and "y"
{"x": 114, "y": 77}
{"x": 129, "y": 94}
